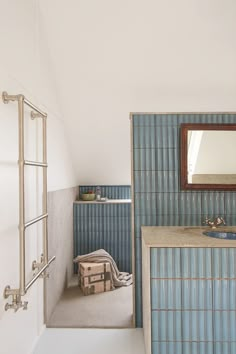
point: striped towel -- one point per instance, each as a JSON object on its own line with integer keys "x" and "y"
{"x": 101, "y": 256}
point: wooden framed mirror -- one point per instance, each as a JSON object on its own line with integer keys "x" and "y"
{"x": 207, "y": 156}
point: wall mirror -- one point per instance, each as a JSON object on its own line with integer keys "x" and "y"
{"x": 208, "y": 156}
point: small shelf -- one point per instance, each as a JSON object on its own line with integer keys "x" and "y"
{"x": 109, "y": 201}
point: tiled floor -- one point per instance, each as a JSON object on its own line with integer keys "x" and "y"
{"x": 91, "y": 341}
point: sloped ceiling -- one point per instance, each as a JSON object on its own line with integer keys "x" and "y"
{"x": 86, "y": 57}
{"x": 111, "y": 58}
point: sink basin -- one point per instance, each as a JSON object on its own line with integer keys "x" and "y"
{"x": 221, "y": 234}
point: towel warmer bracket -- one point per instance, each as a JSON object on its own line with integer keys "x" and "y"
{"x": 39, "y": 266}
{"x": 16, "y": 303}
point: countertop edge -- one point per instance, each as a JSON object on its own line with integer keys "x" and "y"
{"x": 184, "y": 237}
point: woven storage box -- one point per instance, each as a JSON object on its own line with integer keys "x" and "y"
{"x": 94, "y": 277}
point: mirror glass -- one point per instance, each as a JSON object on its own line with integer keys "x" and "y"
{"x": 208, "y": 156}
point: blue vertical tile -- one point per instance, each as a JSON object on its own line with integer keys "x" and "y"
{"x": 158, "y": 324}
{"x": 222, "y": 347}
{"x": 197, "y": 294}
{"x": 167, "y": 181}
{"x": 139, "y": 163}
{"x": 232, "y": 295}
{"x": 189, "y": 220}
{"x": 190, "y": 347}
{"x": 213, "y": 203}
{"x": 197, "y": 326}
{"x": 166, "y": 294}
{"x": 231, "y": 220}
{"x": 138, "y": 247}
{"x": 196, "y": 262}
{"x": 167, "y": 137}
{"x": 144, "y": 137}
{"x": 167, "y": 347}
{"x": 231, "y": 325}
{"x": 216, "y": 118}
{"x": 230, "y": 203}
{"x": 150, "y": 120}
{"x": 229, "y": 118}
{"x": 138, "y": 304}
{"x": 206, "y": 347}
{"x": 138, "y": 204}
{"x": 167, "y": 203}
{"x": 138, "y": 137}
{"x": 138, "y": 119}
{"x": 150, "y": 204}
{"x": 220, "y": 265}
{"x": 159, "y": 136}
{"x": 169, "y": 262}
{"x": 145, "y": 159}
{"x": 232, "y": 348}
{"x": 189, "y": 118}
{"x": 190, "y": 203}
{"x": 167, "y": 159}
{"x": 204, "y": 264}
{"x": 150, "y": 182}
{"x": 220, "y": 294}
{"x": 161, "y": 160}
{"x": 221, "y": 326}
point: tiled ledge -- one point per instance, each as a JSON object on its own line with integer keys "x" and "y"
{"x": 109, "y": 201}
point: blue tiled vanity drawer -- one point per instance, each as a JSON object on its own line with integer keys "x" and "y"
{"x": 193, "y": 307}
{"x": 191, "y": 326}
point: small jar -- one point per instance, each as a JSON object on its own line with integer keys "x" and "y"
{"x": 98, "y": 193}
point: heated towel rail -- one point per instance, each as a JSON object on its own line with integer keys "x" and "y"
{"x": 39, "y": 267}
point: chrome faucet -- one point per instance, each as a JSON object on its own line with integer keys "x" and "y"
{"x": 214, "y": 223}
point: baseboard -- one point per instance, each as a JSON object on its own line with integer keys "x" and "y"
{"x": 35, "y": 342}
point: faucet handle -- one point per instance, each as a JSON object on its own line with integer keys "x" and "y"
{"x": 222, "y": 220}
{"x": 218, "y": 221}
{"x": 208, "y": 221}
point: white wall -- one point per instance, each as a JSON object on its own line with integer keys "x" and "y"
{"x": 116, "y": 57}
{"x": 24, "y": 68}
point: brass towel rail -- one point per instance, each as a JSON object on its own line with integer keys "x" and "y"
{"x": 44, "y": 263}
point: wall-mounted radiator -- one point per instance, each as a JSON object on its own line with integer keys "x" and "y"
{"x": 38, "y": 267}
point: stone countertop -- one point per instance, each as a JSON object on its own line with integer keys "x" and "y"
{"x": 109, "y": 201}
{"x": 184, "y": 236}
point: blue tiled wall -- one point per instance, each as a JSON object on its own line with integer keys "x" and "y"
{"x": 193, "y": 307}
{"x": 105, "y": 225}
{"x": 158, "y": 199}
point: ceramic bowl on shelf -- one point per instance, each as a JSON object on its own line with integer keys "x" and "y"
{"x": 88, "y": 196}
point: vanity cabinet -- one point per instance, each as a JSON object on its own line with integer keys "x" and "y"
{"x": 189, "y": 297}
{"x": 104, "y": 225}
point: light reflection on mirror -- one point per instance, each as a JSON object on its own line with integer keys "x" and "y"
{"x": 211, "y": 157}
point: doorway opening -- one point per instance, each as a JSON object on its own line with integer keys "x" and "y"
{"x": 96, "y": 226}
